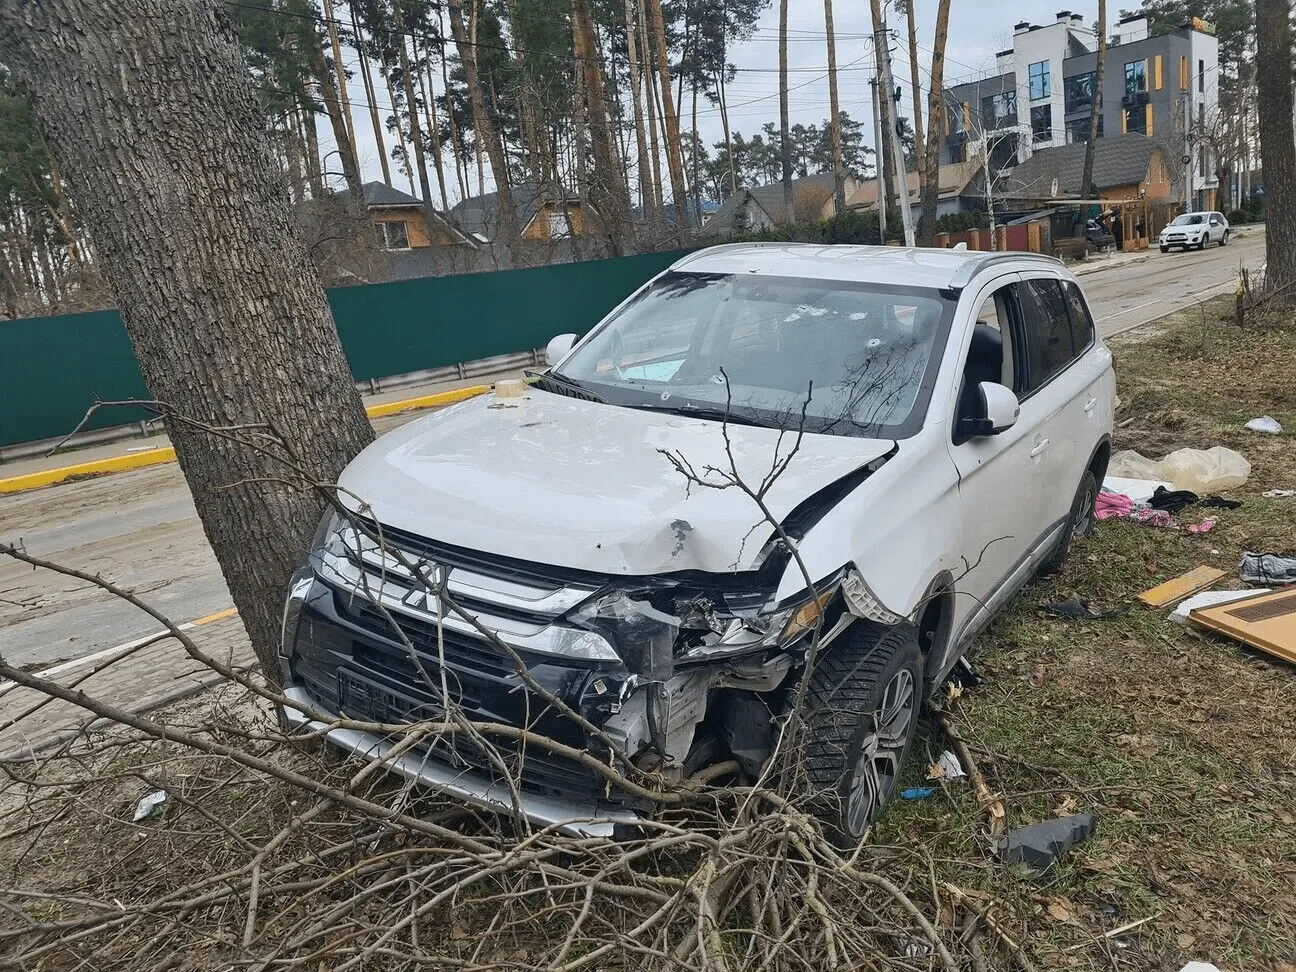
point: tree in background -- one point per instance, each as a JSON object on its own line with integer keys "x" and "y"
{"x": 834, "y": 111}
{"x": 919, "y": 153}
{"x": 1087, "y": 190}
{"x": 930, "y": 191}
{"x": 1277, "y": 144}
{"x": 162, "y": 160}
{"x": 784, "y": 128}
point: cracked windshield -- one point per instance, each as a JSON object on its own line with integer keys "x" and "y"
{"x": 856, "y": 357}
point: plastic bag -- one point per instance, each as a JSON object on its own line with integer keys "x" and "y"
{"x": 1265, "y": 423}
{"x": 1203, "y": 471}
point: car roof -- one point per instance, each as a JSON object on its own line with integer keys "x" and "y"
{"x": 913, "y": 266}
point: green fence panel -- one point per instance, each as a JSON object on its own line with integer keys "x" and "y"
{"x": 53, "y": 368}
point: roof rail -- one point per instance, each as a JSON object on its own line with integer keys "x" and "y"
{"x": 963, "y": 276}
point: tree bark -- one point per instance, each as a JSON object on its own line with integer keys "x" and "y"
{"x": 834, "y": 111}
{"x": 314, "y": 171}
{"x": 650, "y": 95}
{"x": 1086, "y": 178}
{"x": 915, "y": 77}
{"x": 371, "y": 95}
{"x": 1277, "y": 145}
{"x": 293, "y": 150}
{"x": 147, "y": 105}
{"x": 508, "y": 223}
{"x": 674, "y": 159}
{"x": 789, "y": 202}
{"x": 427, "y": 90}
{"x": 344, "y": 96}
{"x": 930, "y": 192}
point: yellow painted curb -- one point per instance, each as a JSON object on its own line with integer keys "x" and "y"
{"x": 426, "y": 401}
{"x": 96, "y": 467}
{"x": 218, "y": 616}
{"x": 152, "y": 457}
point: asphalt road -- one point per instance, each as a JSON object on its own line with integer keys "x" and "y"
{"x": 140, "y": 530}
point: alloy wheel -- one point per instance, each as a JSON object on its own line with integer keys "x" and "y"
{"x": 877, "y": 766}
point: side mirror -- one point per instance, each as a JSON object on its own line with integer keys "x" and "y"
{"x": 998, "y": 410}
{"x": 558, "y": 347}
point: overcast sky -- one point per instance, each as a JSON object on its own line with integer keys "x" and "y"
{"x": 978, "y": 28}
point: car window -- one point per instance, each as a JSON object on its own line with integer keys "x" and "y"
{"x": 1082, "y": 323}
{"x": 1047, "y": 326}
{"x": 860, "y": 357}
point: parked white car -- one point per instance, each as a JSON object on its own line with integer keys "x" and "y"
{"x": 928, "y": 428}
{"x": 1194, "y": 230}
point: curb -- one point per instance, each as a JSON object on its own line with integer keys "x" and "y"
{"x": 153, "y": 457}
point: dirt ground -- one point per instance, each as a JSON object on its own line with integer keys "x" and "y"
{"x": 1183, "y": 743}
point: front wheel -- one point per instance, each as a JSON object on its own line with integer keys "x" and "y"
{"x": 1165, "y": 249}
{"x": 862, "y": 707}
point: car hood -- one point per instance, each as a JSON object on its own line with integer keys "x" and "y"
{"x": 585, "y": 485}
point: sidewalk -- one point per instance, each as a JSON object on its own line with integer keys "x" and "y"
{"x": 386, "y": 411}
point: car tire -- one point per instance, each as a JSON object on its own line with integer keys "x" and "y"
{"x": 863, "y": 703}
{"x": 1224, "y": 238}
{"x": 1165, "y": 249}
{"x": 1080, "y": 522}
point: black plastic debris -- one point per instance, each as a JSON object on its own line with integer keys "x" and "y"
{"x": 1078, "y": 607}
{"x": 1042, "y": 845}
{"x": 1172, "y": 500}
{"x": 964, "y": 674}
{"x": 1220, "y": 503}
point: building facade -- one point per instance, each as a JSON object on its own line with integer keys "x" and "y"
{"x": 1164, "y": 86}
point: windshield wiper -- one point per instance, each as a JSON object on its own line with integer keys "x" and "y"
{"x": 562, "y": 385}
{"x": 713, "y": 413}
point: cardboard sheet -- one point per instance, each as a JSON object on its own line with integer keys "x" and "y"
{"x": 1180, "y": 587}
{"x": 1267, "y": 622}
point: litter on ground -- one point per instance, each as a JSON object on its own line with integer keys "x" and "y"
{"x": 1267, "y": 569}
{"x": 1180, "y": 587}
{"x": 1265, "y": 423}
{"x": 1266, "y": 622}
{"x": 1043, "y": 844}
{"x": 1203, "y": 471}
{"x": 150, "y": 806}
{"x": 1210, "y": 599}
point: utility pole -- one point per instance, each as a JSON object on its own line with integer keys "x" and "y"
{"x": 878, "y": 157}
{"x": 1188, "y": 153}
{"x": 882, "y": 47}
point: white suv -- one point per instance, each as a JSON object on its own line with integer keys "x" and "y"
{"x": 1194, "y": 230}
{"x": 927, "y": 428}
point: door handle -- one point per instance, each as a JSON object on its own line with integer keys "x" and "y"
{"x": 1089, "y": 405}
{"x": 1040, "y": 446}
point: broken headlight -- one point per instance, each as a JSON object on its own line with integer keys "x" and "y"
{"x": 650, "y": 634}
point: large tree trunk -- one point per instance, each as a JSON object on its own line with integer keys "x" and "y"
{"x": 400, "y": 130}
{"x": 650, "y": 96}
{"x": 411, "y": 108}
{"x": 372, "y": 97}
{"x": 293, "y": 150}
{"x": 674, "y": 159}
{"x": 1277, "y": 144}
{"x": 339, "y": 71}
{"x": 314, "y": 170}
{"x": 147, "y": 105}
{"x": 608, "y": 192}
{"x": 1087, "y": 190}
{"x": 915, "y": 79}
{"x": 427, "y": 90}
{"x": 930, "y": 192}
{"x": 641, "y": 142}
{"x": 789, "y": 206}
{"x": 834, "y": 111}
{"x": 508, "y": 223}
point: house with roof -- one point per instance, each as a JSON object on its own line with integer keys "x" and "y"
{"x": 402, "y": 221}
{"x": 961, "y": 190}
{"x": 1126, "y": 167}
{"x": 761, "y": 207}
{"x": 542, "y": 217}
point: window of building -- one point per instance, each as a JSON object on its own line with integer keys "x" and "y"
{"x": 1039, "y": 80}
{"x": 1201, "y": 75}
{"x": 1183, "y": 74}
{"x": 1204, "y": 158}
{"x": 1156, "y": 73}
{"x": 1135, "y": 119}
{"x": 1042, "y": 122}
{"x": 1201, "y": 114}
{"x": 559, "y": 228}
{"x": 1079, "y": 93}
{"x": 1136, "y": 77}
{"x": 1000, "y": 110}
{"x": 394, "y": 234}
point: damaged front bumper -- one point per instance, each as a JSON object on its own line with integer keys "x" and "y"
{"x": 670, "y": 690}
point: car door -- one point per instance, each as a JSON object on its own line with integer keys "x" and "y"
{"x": 1000, "y": 476}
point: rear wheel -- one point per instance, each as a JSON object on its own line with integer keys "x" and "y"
{"x": 1079, "y": 524}
{"x": 1224, "y": 238}
{"x": 863, "y": 702}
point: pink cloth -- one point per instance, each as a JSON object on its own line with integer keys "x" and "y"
{"x": 1204, "y": 526}
{"x": 1113, "y": 504}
